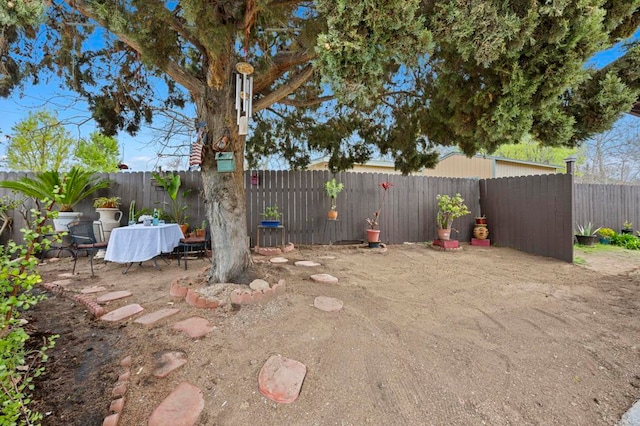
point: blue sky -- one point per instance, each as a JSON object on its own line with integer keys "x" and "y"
{"x": 136, "y": 150}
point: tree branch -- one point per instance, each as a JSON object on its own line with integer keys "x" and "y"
{"x": 284, "y": 90}
{"x": 281, "y": 63}
{"x": 176, "y": 72}
{"x": 298, "y": 103}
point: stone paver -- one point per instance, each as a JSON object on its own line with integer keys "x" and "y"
{"x": 328, "y": 304}
{"x": 181, "y": 408}
{"x": 114, "y": 295}
{"x": 66, "y": 275}
{"x": 327, "y": 257}
{"x": 62, "y": 283}
{"x": 259, "y": 285}
{"x": 280, "y": 379}
{"x": 632, "y": 416}
{"x": 278, "y": 260}
{"x": 94, "y": 289}
{"x": 167, "y": 361}
{"x": 324, "y": 278}
{"x": 307, "y": 263}
{"x": 122, "y": 313}
{"x": 152, "y": 317}
{"x": 194, "y": 327}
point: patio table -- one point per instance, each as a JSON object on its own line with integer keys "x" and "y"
{"x": 137, "y": 243}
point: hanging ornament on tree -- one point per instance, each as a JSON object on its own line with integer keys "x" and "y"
{"x": 244, "y": 95}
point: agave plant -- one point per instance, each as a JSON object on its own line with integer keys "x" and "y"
{"x": 73, "y": 186}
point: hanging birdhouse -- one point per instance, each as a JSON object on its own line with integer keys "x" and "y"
{"x": 226, "y": 162}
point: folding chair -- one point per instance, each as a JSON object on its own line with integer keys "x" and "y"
{"x": 84, "y": 239}
{"x": 194, "y": 245}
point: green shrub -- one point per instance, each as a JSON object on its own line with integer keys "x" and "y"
{"x": 606, "y": 233}
{"x": 628, "y": 241}
{"x": 18, "y": 366}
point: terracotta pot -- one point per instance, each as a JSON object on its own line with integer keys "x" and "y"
{"x": 184, "y": 228}
{"x": 373, "y": 235}
{"x": 332, "y": 214}
{"x": 480, "y": 232}
{"x": 444, "y": 234}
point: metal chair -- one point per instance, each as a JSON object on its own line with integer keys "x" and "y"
{"x": 197, "y": 245}
{"x": 84, "y": 239}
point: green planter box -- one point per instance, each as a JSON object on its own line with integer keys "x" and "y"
{"x": 225, "y": 161}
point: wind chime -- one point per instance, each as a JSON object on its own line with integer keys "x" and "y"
{"x": 244, "y": 95}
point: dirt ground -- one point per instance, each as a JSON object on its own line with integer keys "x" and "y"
{"x": 478, "y": 336}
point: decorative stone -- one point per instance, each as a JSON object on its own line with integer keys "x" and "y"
{"x": 324, "y": 278}
{"x": 280, "y": 379}
{"x": 328, "y": 304}
{"x": 194, "y": 327}
{"x": 122, "y": 313}
{"x": 114, "y": 295}
{"x": 259, "y": 285}
{"x": 307, "y": 263}
{"x": 181, "y": 408}
{"x": 167, "y": 361}
{"x": 156, "y": 316}
{"x": 278, "y": 260}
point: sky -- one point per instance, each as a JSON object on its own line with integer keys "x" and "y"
{"x": 137, "y": 152}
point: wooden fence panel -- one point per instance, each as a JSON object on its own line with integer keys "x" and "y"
{"x": 607, "y": 205}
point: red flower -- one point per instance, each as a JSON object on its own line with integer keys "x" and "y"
{"x": 373, "y": 222}
{"x": 386, "y": 185}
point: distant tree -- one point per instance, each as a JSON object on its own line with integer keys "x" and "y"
{"x": 99, "y": 153}
{"x": 613, "y": 156}
{"x": 40, "y": 143}
{"x": 531, "y": 150}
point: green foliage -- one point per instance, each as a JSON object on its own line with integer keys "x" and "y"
{"x": 586, "y": 230}
{"x": 72, "y": 186}
{"x": 107, "y": 202}
{"x": 628, "y": 241}
{"x": 530, "y": 150}
{"x": 333, "y": 188}
{"x": 18, "y": 366}
{"x": 627, "y": 225}
{"x": 100, "y": 153}
{"x": 40, "y": 143}
{"x": 171, "y": 183}
{"x": 21, "y": 12}
{"x": 271, "y": 213}
{"x": 606, "y": 233}
{"x": 450, "y": 208}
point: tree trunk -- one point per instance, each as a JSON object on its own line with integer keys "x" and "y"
{"x": 224, "y": 193}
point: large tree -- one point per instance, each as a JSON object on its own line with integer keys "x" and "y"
{"x": 344, "y": 78}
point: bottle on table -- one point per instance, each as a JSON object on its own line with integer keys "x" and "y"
{"x": 156, "y": 217}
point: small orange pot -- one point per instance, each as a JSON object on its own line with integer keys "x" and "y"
{"x": 332, "y": 215}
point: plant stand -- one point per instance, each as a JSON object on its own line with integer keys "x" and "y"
{"x": 480, "y": 243}
{"x": 332, "y": 230}
{"x": 447, "y": 244}
{"x": 263, "y": 228}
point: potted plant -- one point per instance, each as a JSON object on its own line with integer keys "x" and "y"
{"x": 271, "y": 217}
{"x": 373, "y": 234}
{"x": 73, "y": 186}
{"x": 333, "y": 188}
{"x": 110, "y": 215}
{"x": 586, "y": 235}
{"x": 627, "y": 227}
{"x": 201, "y": 232}
{"x": 606, "y": 234}
{"x": 177, "y": 211}
{"x": 449, "y": 209}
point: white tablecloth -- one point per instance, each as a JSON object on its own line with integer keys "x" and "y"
{"x": 137, "y": 243}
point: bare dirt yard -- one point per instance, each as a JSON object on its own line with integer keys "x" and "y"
{"x": 477, "y": 336}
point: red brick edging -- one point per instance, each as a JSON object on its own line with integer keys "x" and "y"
{"x": 95, "y": 309}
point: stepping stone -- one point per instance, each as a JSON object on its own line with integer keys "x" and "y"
{"x": 156, "y": 316}
{"x": 94, "y": 289}
{"x": 66, "y": 275}
{"x": 307, "y": 263}
{"x": 62, "y": 283}
{"x": 122, "y": 313}
{"x": 194, "y": 327}
{"x": 324, "y": 278}
{"x": 114, "y": 295}
{"x": 328, "y": 304}
{"x": 181, "y": 408}
{"x": 280, "y": 379}
{"x": 278, "y": 260}
{"x": 167, "y": 361}
{"x": 327, "y": 257}
{"x": 259, "y": 285}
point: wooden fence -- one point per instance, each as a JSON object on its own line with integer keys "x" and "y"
{"x": 607, "y": 205}
{"x": 533, "y": 214}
